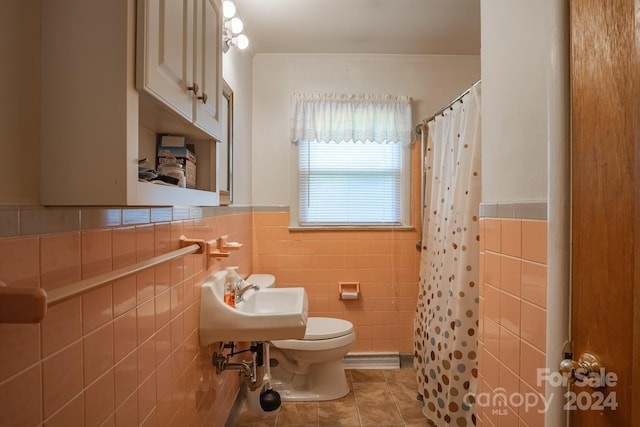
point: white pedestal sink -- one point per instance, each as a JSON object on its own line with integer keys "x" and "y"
{"x": 264, "y": 315}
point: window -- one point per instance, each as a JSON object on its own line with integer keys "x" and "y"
{"x": 349, "y": 183}
{"x": 362, "y": 181}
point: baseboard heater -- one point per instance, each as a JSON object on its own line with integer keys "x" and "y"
{"x": 377, "y": 360}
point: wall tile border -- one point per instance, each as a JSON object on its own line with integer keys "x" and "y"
{"x": 271, "y": 209}
{"x": 36, "y": 220}
{"x": 19, "y": 221}
{"x": 516, "y": 210}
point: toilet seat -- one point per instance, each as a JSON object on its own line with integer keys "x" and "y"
{"x": 321, "y": 328}
{"x": 323, "y": 333}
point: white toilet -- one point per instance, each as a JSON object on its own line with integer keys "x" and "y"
{"x": 310, "y": 369}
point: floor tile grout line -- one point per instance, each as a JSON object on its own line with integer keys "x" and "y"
{"x": 355, "y": 398}
{"x": 395, "y": 401}
{"x": 389, "y": 378}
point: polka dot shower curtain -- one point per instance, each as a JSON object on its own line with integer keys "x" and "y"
{"x": 447, "y": 310}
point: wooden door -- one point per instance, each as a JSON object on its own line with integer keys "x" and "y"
{"x": 605, "y": 317}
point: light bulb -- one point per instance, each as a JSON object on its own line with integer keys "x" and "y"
{"x": 228, "y": 9}
{"x": 242, "y": 41}
{"x": 236, "y": 25}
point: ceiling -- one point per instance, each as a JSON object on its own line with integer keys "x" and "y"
{"x": 428, "y": 27}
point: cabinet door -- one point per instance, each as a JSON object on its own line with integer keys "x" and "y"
{"x": 208, "y": 67}
{"x": 165, "y": 52}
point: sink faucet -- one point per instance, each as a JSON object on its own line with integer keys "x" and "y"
{"x": 241, "y": 291}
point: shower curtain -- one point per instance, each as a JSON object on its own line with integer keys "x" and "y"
{"x": 446, "y": 322}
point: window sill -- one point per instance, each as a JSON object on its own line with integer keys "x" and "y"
{"x": 352, "y": 228}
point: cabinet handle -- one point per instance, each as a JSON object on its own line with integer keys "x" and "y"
{"x": 194, "y": 88}
{"x": 204, "y": 98}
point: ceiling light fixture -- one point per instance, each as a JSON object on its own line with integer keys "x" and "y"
{"x": 232, "y": 28}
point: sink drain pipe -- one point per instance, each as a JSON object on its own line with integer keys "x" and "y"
{"x": 261, "y": 398}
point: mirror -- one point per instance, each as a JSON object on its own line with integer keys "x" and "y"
{"x": 226, "y": 151}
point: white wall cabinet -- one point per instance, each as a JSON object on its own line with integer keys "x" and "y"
{"x": 179, "y": 58}
{"x": 208, "y": 62}
{"x": 165, "y": 53}
{"x": 95, "y": 124}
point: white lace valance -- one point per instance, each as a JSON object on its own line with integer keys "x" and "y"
{"x": 361, "y": 118}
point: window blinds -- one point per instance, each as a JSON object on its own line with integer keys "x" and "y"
{"x": 349, "y": 183}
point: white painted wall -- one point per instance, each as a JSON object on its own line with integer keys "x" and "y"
{"x": 515, "y": 59}
{"x": 20, "y": 102}
{"x": 237, "y": 72}
{"x": 432, "y": 81}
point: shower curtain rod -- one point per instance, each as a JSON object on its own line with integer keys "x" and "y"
{"x": 443, "y": 109}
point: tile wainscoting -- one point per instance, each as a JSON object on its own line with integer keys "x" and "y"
{"x": 124, "y": 354}
{"x": 385, "y": 262}
{"x": 512, "y": 313}
{"x": 128, "y": 353}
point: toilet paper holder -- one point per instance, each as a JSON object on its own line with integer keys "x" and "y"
{"x": 348, "y": 290}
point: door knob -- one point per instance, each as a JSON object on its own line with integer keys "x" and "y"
{"x": 586, "y": 370}
{"x": 204, "y": 98}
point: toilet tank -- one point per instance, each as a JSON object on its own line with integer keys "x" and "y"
{"x": 262, "y": 280}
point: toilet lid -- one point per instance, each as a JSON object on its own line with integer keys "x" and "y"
{"x": 322, "y": 328}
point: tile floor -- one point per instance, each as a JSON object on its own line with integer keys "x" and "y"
{"x": 381, "y": 398}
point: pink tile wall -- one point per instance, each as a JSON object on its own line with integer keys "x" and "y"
{"x": 126, "y": 354}
{"x": 512, "y": 332}
{"x": 384, "y": 262}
